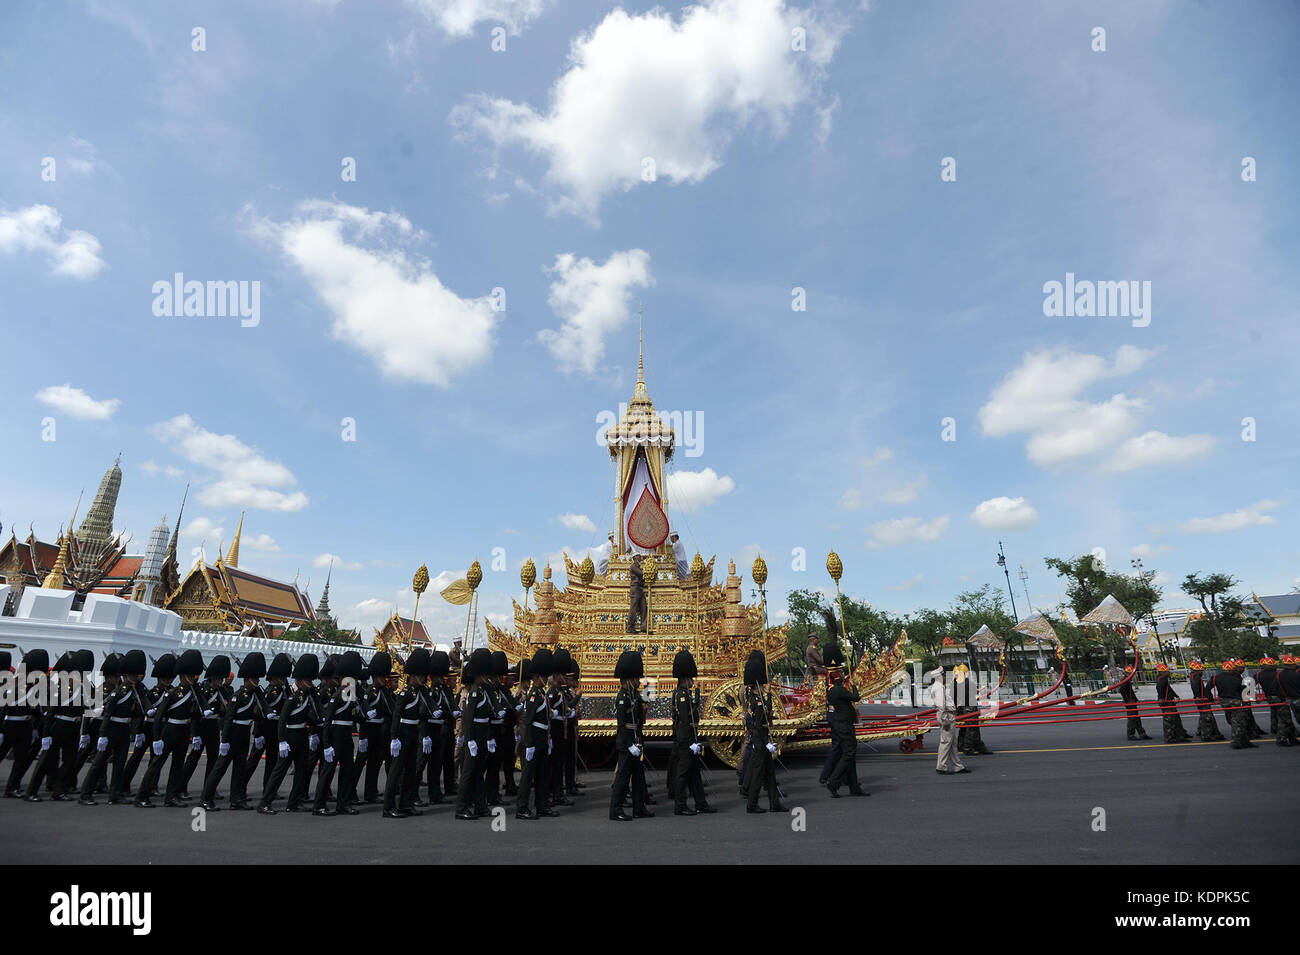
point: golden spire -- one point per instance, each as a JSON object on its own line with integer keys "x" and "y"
{"x": 232, "y": 558}
{"x": 54, "y": 580}
{"x": 640, "y": 354}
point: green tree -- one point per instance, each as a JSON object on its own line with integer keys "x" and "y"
{"x": 1089, "y": 583}
{"x": 1225, "y": 629}
{"x": 870, "y": 631}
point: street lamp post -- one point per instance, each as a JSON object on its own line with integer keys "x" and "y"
{"x": 1024, "y": 654}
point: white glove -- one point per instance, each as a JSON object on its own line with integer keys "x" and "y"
{"x": 207, "y": 714}
{"x": 573, "y": 714}
{"x": 329, "y": 754}
{"x": 696, "y": 748}
{"x": 157, "y": 747}
{"x": 395, "y": 748}
{"x": 313, "y": 742}
{"x": 197, "y": 743}
{"x": 284, "y": 750}
{"x": 259, "y": 742}
{"x": 151, "y": 712}
{"x": 455, "y": 713}
{"x": 101, "y": 744}
{"x": 84, "y": 741}
{"x": 635, "y": 750}
{"x": 45, "y": 742}
{"x": 223, "y": 749}
{"x": 139, "y": 740}
{"x": 460, "y": 741}
{"x": 492, "y": 746}
{"x": 371, "y": 714}
{"x": 363, "y": 744}
{"x": 473, "y": 748}
{"x": 550, "y": 746}
{"x": 529, "y": 753}
{"x": 518, "y": 707}
{"x": 501, "y": 714}
{"x": 771, "y": 748}
{"x": 437, "y": 714}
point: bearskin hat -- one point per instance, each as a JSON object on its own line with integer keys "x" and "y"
{"x": 5, "y": 660}
{"x": 133, "y": 663}
{"x": 419, "y": 663}
{"x": 329, "y": 668}
{"x": 164, "y": 668}
{"x": 525, "y": 670}
{"x": 542, "y": 662}
{"x": 500, "y": 663}
{"x": 630, "y": 666}
{"x": 253, "y": 666}
{"x": 219, "y": 668}
{"x": 381, "y": 664}
{"x": 190, "y": 663}
{"x": 684, "y": 665}
{"x": 350, "y": 666}
{"x": 111, "y": 665}
{"x": 282, "y": 665}
{"x": 307, "y": 668}
{"x": 439, "y": 663}
{"x": 833, "y": 656}
{"x": 480, "y": 664}
{"x": 35, "y": 661}
{"x": 83, "y": 661}
{"x": 561, "y": 660}
{"x": 756, "y": 669}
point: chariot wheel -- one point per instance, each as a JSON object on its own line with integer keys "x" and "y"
{"x": 726, "y": 704}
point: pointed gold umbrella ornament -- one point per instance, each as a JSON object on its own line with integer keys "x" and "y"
{"x": 419, "y": 583}
{"x": 835, "y": 568}
{"x": 650, "y": 570}
{"x": 473, "y": 577}
{"x": 759, "y": 573}
{"x": 528, "y": 577}
{"x": 586, "y": 574}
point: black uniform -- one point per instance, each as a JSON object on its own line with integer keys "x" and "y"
{"x": 843, "y": 705}
{"x": 164, "y": 671}
{"x": 299, "y": 721}
{"x": 762, "y": 769}
{"x": 21, "y": 718}
{"x": 534, "y": 782}
{"x": 59, "y": 732}
{"x": 440, "y": 730}
{"x": 1229, "y": 685}
{"x": 687, "y": 753}
{"x": 1279, "y": 712}
{"x": 471, "y": 800}
{"x": 1207, "y": 727}
{"x": 214, "y": 693}
{"x": 1173, "y": 723}
{"x": 377, "y": 705}
{"x": 631, "y": 769}
{"x": 235, "y": 737}
{"x": 120, "y": 724}
{"x": 339, "y": 720}
{"x": 1129, "y": 696}
{"x": 175, "y": 726}
{"x": 1288, "y": 681}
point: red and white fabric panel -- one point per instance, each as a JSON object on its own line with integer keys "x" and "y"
{"x": 645, "y": 526}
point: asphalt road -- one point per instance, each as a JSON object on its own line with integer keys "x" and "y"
{"x": 1036, "y": 800}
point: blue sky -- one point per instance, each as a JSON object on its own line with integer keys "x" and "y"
{"x": 522, "y": 170}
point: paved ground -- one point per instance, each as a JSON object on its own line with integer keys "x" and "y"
{"x": 1032, "y": 802}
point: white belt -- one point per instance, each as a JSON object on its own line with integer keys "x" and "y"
{"x": 119, "y": 719}
{"x": 375, "y": 721}
{"x": 479, "y": 719}
{"x": 338, "y": 723}
{"x": 178, "y": 722}
{"x": 68, "y": 719}
{"x": 433, "y": 722}
{"x": 242, "y": 722}
{"x": 410, "y": 722}
{"x": 26, "y": 717}
{"x": 542, "y": 726}
{"x": 295, "y": 726}
{"x": 495, "y": 722}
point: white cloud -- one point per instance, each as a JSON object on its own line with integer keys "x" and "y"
{"x": 878, "y": 456}
{"x": 205, "y": 531}
{"x": 903, "y": 530}
{"x": 244, "y": 477}
{"x": 1255, "y": 515}
{"x": 326, "y": 559}
{"x": 384, "y": 298}
{"x": 677, "y": 92}
{"x": 39, "y": 228}
{"x": 75, "y": 402}
{"x": 593, "y": 300}
{"x": 150, "y": 467}
{"x": 457, "y": 18}
{"x": 905, "y": 494}
{"x": 851, "y": 500}
{"x": 1004, "y": 514}
{"x": 692, "y": 490}
{"x": 1147, "y": 550}
{"x": 578, "y": 522}
{"x": 1155, "y": 448}
{"x": 259, "y": 542}
{"x": 1043, "y": 398}
{"x": 905, "y": 585}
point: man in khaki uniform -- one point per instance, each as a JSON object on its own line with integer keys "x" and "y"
{"x": 946, "y": 715}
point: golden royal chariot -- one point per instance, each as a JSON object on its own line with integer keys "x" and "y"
{"x": 589, "y": 617}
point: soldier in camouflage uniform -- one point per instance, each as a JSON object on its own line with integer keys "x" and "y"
{"x": 1207, "y": 727}
{"x": 1229, "y": 686}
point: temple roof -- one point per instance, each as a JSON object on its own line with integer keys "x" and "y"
{"x": 640, "y": 424}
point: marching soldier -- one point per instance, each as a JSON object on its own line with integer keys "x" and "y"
{"x": 1279, "y": 712}
{"x": 572, "y": 680}
{"x": 1207, "y": 727}
{"x": 688, "y": 751}
{"x": 1129, "y": 696}
{"x": 121, "y": 720}
{"x": 163, "y": 672}
{"x": 175, "y": 731}
{"x": 377, "y": 705}
{"x": 758, "y": 714}
{"x": 294, "y": 731}
{"x": 440, "y": 727}
{"x": 235, "y": 736}
{"x": 558, "y": 699}
{"x": 21, "y": 719}
{"x": 1249, "y": 694}
{"x": 268, "y": 718}
{"x": 90, "y": 718}
{"x": 1173, "y": 723}
{"x": 1288, "y": 680}
{"x": 833, "y": 659}
{"x": 534, "y": 783}
{"x": 499, "y": 701}
{"x": 338, "y": 720}
{"x": 443, "y": 683}
{"x": 627, "y": 740}
{"x": 842, "y": 702}
{"x": 1228, "y": 684}
{"x": 59, "y": 729}
{"x": 476, "y": 718}
{"x": 214, "y": 692}
{"x": 406, "y": 734}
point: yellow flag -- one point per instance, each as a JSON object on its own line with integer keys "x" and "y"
{"x": 458, "y": 592}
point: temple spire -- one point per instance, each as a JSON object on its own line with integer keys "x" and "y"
{"x": 640, "y": 353}
{"x": 323, "y": 608}
{"x": 54, "y": 580}
{"x": 176, "y": 532}
{"x": 232, "y": 557}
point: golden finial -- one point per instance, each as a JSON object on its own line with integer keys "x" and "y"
{"x": 528, "y": 574}
{"x": 420, "y": 582}
{"x": 546, "y": 571}
{"x": 650, "y": 568}
{"x": 232, "y": 558}
{"x": 834, "y": 567}
{"x": 54, "y": 580}
{"x": 220, "y": 559}
{"x": 586, "y": 570}
{"x": 731, "y": 566}
{"x": 640, "y": 354}
{"x": 475, "y": 576}
{"x": 698, "y": 569}
{"x": 759, "y": 571}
